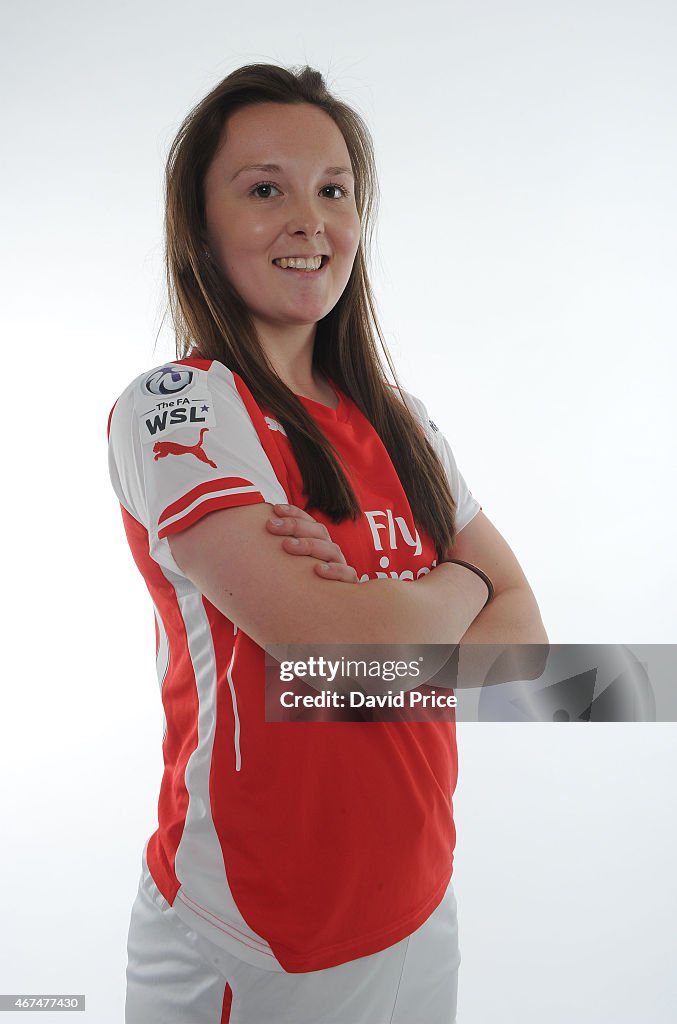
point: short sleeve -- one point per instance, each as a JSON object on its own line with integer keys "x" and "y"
{"x": 467, "y": 506}
{"x": 182, "y": 444}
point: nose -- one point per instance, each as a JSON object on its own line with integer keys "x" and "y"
{"x": 306, "y": 217}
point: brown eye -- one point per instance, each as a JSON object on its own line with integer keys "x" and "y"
{"x": 262, "y": 184}
{"x": 341, "y": 189}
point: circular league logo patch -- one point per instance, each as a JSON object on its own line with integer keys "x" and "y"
{"x": 168, "y": 381}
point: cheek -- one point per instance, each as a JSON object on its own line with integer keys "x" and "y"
{"x": 352, "y": 235}
{"x": 350, "y": 243}
{"x": 229, "y": 230}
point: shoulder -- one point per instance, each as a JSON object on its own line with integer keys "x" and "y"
{"x": 175, "y": 377}
{"x": 419, "y": 411}
{"x": 173, "y": 384}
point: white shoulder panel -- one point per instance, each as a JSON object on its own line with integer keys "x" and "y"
{"x": 467, "y": 506}
{"x": 182, "y": 444}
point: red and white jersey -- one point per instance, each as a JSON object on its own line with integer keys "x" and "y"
{"x": 293, "y": 846}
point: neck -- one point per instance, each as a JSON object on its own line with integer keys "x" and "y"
{"x": 290, "y": 353}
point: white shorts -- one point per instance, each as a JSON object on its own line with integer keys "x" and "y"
{"x": 174, "y": 976}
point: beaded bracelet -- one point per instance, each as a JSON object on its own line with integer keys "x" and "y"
{"x": 475, "y": 569}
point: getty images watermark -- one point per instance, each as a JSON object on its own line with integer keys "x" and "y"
{"x": 471, "y": 682}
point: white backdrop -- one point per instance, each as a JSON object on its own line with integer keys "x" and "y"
{"x": 525, "y": 274}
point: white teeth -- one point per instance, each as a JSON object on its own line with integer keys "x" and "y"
{"x": 299, "y": 263}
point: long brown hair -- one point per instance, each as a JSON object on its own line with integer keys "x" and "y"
{"x": 209, "y": 313}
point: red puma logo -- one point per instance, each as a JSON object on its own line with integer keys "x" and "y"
{"x": 164, "y": 448}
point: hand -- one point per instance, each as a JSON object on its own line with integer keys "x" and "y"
{"x": 303, "y": 535}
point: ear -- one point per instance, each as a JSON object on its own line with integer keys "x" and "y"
{"x": 205, "y": 249}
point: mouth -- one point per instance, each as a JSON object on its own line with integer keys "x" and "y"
{"x": 305, "y": 271}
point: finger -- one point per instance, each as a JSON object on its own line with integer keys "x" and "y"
{"x": 336, "y": 571}
{"x": 292, "y": 510}
{"x": 299, "y": 514}
{"x": 292, "y": 526}
{"x": 315, "y": 547}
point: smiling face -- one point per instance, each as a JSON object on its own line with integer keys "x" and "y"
{"x": 301, "y": 204}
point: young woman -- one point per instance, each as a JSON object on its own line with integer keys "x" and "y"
{"x": 299, "y": 872}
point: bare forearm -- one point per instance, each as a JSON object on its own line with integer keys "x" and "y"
{"x": 506, "y": 641}
{"x": 512, "y": 617}
{"x": 369, "y": 620}
{"x": 436, "y": 609}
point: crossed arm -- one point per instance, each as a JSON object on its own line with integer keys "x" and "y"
{"x": 239, "y": 559}
{"x": 243, "y": 570}
{"x": 511, "y": 618}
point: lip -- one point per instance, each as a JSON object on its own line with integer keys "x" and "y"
{"x": 304, "y": 273}
{"x": 298, "y": 256}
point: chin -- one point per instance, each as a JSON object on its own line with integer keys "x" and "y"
{"x": 303, "y": 315}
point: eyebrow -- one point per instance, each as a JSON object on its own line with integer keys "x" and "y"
{"x": 277, "y": 169}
